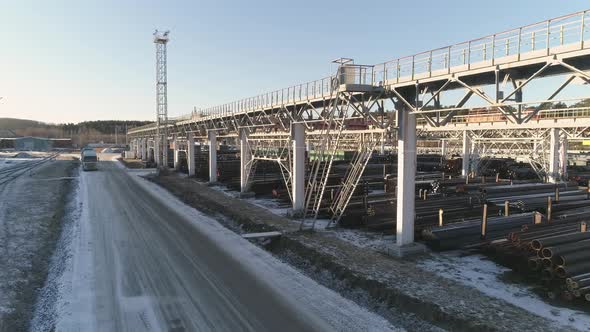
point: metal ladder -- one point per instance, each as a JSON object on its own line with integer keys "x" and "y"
{"x": 322, "y": 165}
{"x": 352, "y": 178}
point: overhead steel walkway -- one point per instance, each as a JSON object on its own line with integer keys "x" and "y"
{"x": 362, "y": 107}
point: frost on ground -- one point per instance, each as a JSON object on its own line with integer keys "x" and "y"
{"x": 31, "y": 211}
{"x": 74, "y": 304}
{"x": 50, "y": 300}
{"x": 8, "y": 162}
{"x": 357, "y": 237}
{"x": 479, "y": 272}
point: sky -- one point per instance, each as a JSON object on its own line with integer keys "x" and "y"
{"x": 71, "y": 61}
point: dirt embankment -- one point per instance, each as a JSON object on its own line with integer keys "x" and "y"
{"x": 31, "y": 214}
{"x": 400, "y": 286}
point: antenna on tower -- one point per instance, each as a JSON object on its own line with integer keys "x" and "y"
{"x": 161, "y": 39}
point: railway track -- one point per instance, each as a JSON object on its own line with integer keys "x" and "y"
{"x": 10, "y": 173}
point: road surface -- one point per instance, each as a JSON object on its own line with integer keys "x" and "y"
{"x": 157, "y": 267}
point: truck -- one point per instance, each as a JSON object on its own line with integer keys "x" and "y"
{"x": 89, "y": 160}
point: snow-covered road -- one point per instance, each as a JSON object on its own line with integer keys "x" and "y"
{"x": 142, "y": 260}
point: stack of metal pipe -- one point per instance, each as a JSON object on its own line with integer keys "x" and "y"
{"x": 556, "y": 253}
{"x": 474, "y": 231}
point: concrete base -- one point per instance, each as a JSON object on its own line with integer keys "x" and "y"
{"x": 295, "y": 214}
{"x": 410, "y": 250}
{"x": 247, "y": 194}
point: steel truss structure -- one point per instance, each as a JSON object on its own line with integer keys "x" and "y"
{"x": 359, "y": 108}
{"x": 161, "y": 153}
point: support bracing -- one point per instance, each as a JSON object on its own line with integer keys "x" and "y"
{"x": 246, "y": 161}
{"x": 466, "y": 154}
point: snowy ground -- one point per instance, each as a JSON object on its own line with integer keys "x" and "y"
{"x": 80, "y": 283}
{"x": 30, "y": 212}
{"x": 479, "y": 272}
{"x": 357, "y": 237}
{"x": 8, "y": 159}
{"x": 7, "y": 162}
{"x": 474, "y": 270}
{"x": 271, "y": 205}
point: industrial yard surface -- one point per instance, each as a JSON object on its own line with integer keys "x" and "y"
{"x": 305, "y": 166}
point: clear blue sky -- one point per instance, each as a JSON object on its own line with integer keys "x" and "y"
{"x": 69, "y": 61}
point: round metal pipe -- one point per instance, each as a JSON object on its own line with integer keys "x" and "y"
{"x": 555, "y": 240}
{"x": 564, "y": 271}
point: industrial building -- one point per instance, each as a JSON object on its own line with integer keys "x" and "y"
{"x": 30, "y": 143}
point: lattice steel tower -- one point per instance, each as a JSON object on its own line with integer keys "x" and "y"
{"x": 161, "y": 146}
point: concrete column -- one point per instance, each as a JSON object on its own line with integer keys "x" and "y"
{"x": 563, "y": 157}
{"x": 382, "y": 147}
{"x": 466, "y": 154}
{"x": 212, "y": 156}
{"x": 164, "y": 153}
{"x": 553, "y": 175}
{"x": 144, "y": 155}
{"x": 443, "y": 148}
{"x": 190, "y": 154}
{"x": 157, "y": 153}
{"x": 176, "y": 154}
{"x": 406, "y": 177}
{"x": 245, "y": 159}
{"x": 298, "y": 179}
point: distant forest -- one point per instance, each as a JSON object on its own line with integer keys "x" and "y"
{"x": 108, "y": 131}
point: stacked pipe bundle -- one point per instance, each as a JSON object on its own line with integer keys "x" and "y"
{"x": 579, "y": 174}
{"x": 429, "y": 212}
{"x": 528, "y": 197}
{"x": 556, "y": 253}
{"x": 473, "y": 231}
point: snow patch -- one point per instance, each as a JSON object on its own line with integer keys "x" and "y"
{"x": 47, "y": 308}
{"x": 75, "y": 303}
{"x": 479, "y": 272}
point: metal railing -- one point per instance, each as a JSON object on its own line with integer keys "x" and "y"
{"x": 526, "y": 42}
{"x": 493, "y": 115}
{"x": 517, "y": 44}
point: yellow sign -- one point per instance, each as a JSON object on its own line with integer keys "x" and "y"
{"x": 585, "y": 142}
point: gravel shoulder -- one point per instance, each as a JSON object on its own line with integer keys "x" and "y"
{"x": 31, "y": 212}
